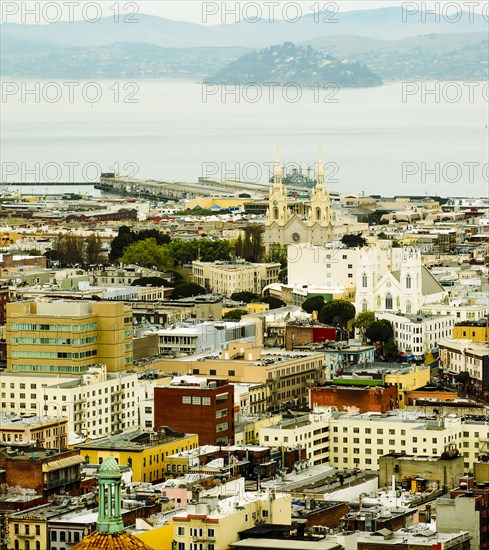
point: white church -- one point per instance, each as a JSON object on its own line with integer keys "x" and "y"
{"x": 312, "y": 222}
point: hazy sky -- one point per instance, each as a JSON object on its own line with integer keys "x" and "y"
{"x": 193, "y": 10}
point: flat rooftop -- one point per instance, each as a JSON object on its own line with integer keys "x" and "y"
{"x": 137, "y": 440}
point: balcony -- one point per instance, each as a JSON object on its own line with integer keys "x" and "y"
{"x": 60, "y": 482}
{"x": 204, "y": 538}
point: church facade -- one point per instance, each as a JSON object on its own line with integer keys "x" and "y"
{"x": 288, "y": 223}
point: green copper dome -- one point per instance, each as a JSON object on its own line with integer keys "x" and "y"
{"x": 109, "y": 468}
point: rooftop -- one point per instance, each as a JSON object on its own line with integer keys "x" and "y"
{"x": 137, "y": 440}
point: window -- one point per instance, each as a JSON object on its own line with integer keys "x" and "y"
{"x": 38, "y": 530}
{"x": 231, "y": 373}
{"x": 181, "y": 531}
{"x": 408, "y": 281}
{"x": 186, "y": 399}
{"x": 364, "y": 280}
{"x": 148, "y": 410}
{"x": 388, "y": 301}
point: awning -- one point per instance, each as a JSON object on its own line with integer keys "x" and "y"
{"x": 62, "y": 463}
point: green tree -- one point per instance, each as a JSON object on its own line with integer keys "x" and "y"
{"x": 282, "y": 276}
{"x": 235, "y": 314}
{"x": 252, "y": 246}
{"x": 277, "y": 253}
{"x": 124, "y": 238}
{"x": 337, "y": 312}
{"x": 187, "y": 290}
{"x": 244, "y": 296}
{"x": 380, "y": 331}
{"x": 239, "y": 247}
{"x": 273, "y": 302}
{"x": 151, "y": 281}
{"x": 363, "y": 321}
{"x": 147, "y": 253}
{"x": 93, "y": 249}
{"x": 352, "y": 241}
{"x": 68, "y": 249}
{"x": 315, "y": 303}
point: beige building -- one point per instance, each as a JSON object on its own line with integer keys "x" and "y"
{"x": 68, "y": 337}
{"x": 240, "y": 276}
{"x": 215, "y": 523}
{"x": 287, "y": 375}
{"x": 357, "y": 441}
{"x": 50, "y": 433}
{"x": 94, "y": 403}
{"x": 305, "y": 432}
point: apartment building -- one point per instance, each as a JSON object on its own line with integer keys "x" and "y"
{"x": 462, "y": 312}
{"x": 94, "y": 404}
{"x": 49, "y": 433}
{"x": 287, "y": 375}
{"x": 477, "y": 332}
{"x": 226, "y": 278}
{"x": 357, "y": 441}
{"x": 143, "y": 452}
{"x": 419, "y": 334}
{"x": 90, "y": 333}
{"x": 216, "y": 523}
{"x": 309, "y": 432}
{"x": 462, "y": 355}
{"x": 205, "y": 407}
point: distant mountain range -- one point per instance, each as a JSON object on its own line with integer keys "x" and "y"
{"x": 157, "y": 48}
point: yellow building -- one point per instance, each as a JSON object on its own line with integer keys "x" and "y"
{"x": 215, "y": 523}
{"x": 68, "y": 337}
{"x": 143, "y": 452}
{"x": 408, "y": 379}
{"x": 223, "y": 202}
{"x": 476, "y": 333}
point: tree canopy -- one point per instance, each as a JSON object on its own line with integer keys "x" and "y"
{"x": 187, "y": 290}
{"x": 363, "y": 321}
{"x": 126, "y": 236}
{"x": 147, "y": 253}
{"x": 244, "y": 296}
{"x": 234, "y": 314}
{"x": 273, "y": 302}
{"x": 315, "y": 303}
{"x": 337, "y": 312}
{"x": 352, "y": 241}
{"x": 151, "y": 281}
{"x": 380, "y": 331}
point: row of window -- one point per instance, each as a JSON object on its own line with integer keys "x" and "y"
{"x": 38, "y": 326}
{"x": 195, "y": 400}
{"x": 54, "y": 354}
{"x": 58, "y": 341}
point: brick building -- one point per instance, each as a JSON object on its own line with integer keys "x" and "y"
{"x": 297, "y": 335}
{"x": 46, "y": 471}
{"x": 365, "y": 398}
{"x": 197, "y": 405}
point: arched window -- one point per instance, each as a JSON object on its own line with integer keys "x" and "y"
{"x": 364, "y": 280}
{"x": 388, "y": 301}
{"x": 364, "y": 305}
{"x": 408, "y": 281}
{"x": 408, "y": 307}
{"x": 275, "y": 213}
{"x": 379, "y": 302}
{"x": 318, "y": 213}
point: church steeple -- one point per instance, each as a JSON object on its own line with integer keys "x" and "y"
{"x": 320, "y": 211}
{"x": 109, "y": 497}
{"x": 278, "y": 209}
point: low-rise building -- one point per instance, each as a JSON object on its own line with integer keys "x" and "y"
{"x": 203, "y": 337}
{"x": 143, "y": 452}
{"x": 308, "y": 432}
{"x": 45, "y": 471}
{"x": 49, "y": 433}
{"x": 287, "y": 375}
{"x": 217, "y": 522}
{"x": 240, "y": 276}
{"x": 462, "y": 355}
